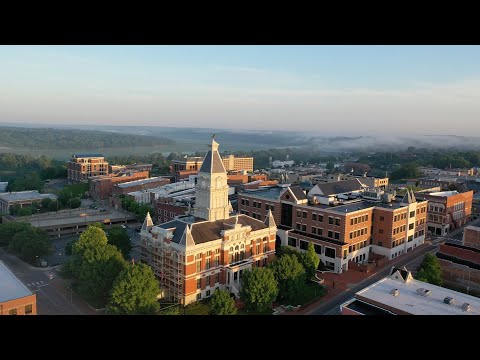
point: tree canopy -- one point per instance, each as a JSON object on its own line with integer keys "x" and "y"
{"x": 430, "y": 270}
{"x": 118, "y": 236}
{"x": 31, "y": 244}
{"x": 135, "y": 292}
{"x": 310, "y": 261}
{"x": 290, "y": 276}
{"x": 259, "y": 289}
{"x": 222, "y": 303}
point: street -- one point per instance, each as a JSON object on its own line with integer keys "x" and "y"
{"x": 53, "y": 298}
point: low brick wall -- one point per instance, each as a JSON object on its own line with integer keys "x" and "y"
{"x": 460, "y": 274}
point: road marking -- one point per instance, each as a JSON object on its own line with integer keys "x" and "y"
{"x": 29, "y": 284}
{"x": 37, "y": 283}
{"x": 48, "y": 297}
{"x": 41, "y": 282}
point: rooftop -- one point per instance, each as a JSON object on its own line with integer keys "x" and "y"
{"x": 274, "y": 192}
{"x": 87, "y": 155}
{"x": 338, "y": 187}
{"x": 444, "y": 193}
{"x": 410, "y": 301}
{"x": 195, "y": 158}
{"x": 204, "y": 231}
{"x": 366, "y": 309}
{"x": 25, "y": 195}
{"x": 140, "y": 182}
{"x": 11, "y": 287}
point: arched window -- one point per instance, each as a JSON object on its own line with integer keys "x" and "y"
{"x": 242, "y": 246}
{"x": 231, "y": 249}
{"x": 236, "y": 248}
{"x": 242, "y": 255}
{"x": 231, "y": 258}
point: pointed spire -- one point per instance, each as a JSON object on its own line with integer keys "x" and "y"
{"x": 413, "y": 197}
{"x": 187, "y": 238}
{"x": 269, "y": 220}
{"x": 148, "y": 223}
{"x": 212, "y": 162}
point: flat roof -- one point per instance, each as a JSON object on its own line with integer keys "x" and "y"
{"x": 11, "y": 287}
{"x": 87, "y": 155}
{"x": 410, "y": 301}
{"x": 444, "y": 193}
{"x": 140, "y": 182}
{"x": 265, "y": 193}
{"x": 367, "y": 309}
{"x": 25, "y": 195}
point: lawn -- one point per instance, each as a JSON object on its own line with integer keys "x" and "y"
{"x": 198, "y": 308}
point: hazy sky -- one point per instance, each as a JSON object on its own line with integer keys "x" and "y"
{"x": 333, "y": 90}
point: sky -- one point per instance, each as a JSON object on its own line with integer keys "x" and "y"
{"x": 331, "y": 90}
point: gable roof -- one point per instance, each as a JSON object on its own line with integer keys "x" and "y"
{"x": 339, "y": 187}
{"x": 298, "y": 192}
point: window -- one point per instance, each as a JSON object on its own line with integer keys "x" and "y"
{"x": 412, "y": 213}
{"x": 247, "y": 202}
{"x": 382, "y": 218}
{"x": 351, "y": 235}
{"x": 209, "y": 253}
{"x": 207, "y": 264}
{"x": 330, "y": 233}
{"x": 243, "y": 201}
{"x": 320, "y": 231}
{"x": 314, "y": 230}
{"x": 304, "y": 214}
{"x": 217, "y": 278}
{"x": 355, "y": 221}
{"x": 264, "y": 262}
{"x": 337, "y": 221}
{"x": 217, "y": 261}
{"x": 199, "y": 266}
{"x": 272, "y": 207}
{"x": 320, "y": 218}
{"x": 329, "y": 252}
{"x": 380, "y": 231}
{"x": 314, "y": 217}
{"x": 337, "y": 235}
{"x": 235, "y": 276}
{"x": 217, "y": 251}
{"x": 266, "y": 206}
{"x": 304, "y": 227}
{"x": 410, "y": 226}
{"x": 351, "y": 221}
{"x": 258, "y": 249}
{"x": 303, "y": 245}
{"x": 208, "y": 292}
{"x": 318, "y": 248}
{"x": 199, "y": 283}
{"x": 366, "y": 217}
{"x": 299, "y": 213}
{"x": 199, "y": 296}
{"x": 292, "y": 242}
{"x": 361, "y": 231}
{"x": 410, "y": 238}
{"x": 265, "y": 247}
{"x": 330, "y": 220}
{"x": 298, "y": 226}
{"x": 344, "y": 254}
{"x": 12, "y": 312}
{"x": 380, "y": 243}
{"x": 28, "y": 309}
{"x": 207, "y": 280}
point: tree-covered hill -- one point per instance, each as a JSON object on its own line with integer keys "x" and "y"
{"x": 47, "y": 138}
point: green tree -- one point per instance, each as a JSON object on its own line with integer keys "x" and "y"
{"x": 31, "y": 244}
{"x": 222, "y": 303}
{"x": 259, "y": 289}
{"x": 99, "y": 225}
{"x": 9, "y": 229}
{"x": 135, "y": 292}
{"x": 46, "y": 203}
{"x": 310, "y": 261}
{"x": 430, "y": 270}
{"x": 91, "y": 239}
{"x": 75, "y": 203}
{"x": 99, "y": 270}
{"x": 171, "y": 310}
{"x": 118, "y": 236}
{"x": 290, "y": 276}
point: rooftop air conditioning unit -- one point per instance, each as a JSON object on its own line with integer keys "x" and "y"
{"x": 465, "y": 306}
{"x": 449, "y": 300}
{"x": 423, "y": 292}
{"x": 394, "y": 292}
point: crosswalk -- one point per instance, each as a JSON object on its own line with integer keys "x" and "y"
{"x": 36, "y": 283}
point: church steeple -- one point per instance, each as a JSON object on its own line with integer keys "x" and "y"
{"x": 211, "y": 201}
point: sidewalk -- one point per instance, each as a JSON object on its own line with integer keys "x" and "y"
{"x": 337, "y": 284}
{"x": 77, "y": 302}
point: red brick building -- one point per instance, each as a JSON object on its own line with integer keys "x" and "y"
{"x": 194, "y": 255}
{"x": 137, "y": 185}
{"x": 83, "y": 166}
{"x": 347, "y": 232}
{"x": 101, "y": 187}
{"x": 447, "y": 210}
{"x": 166, "y": 210}
{"x": 15, "y": 297}
{"x": 471, "y": 237}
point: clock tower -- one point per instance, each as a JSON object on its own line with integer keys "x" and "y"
{"x": 211, "y": 191}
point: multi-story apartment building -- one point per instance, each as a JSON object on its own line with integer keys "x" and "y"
{"x": 233, "y": 163}
{"x": 447, "y": 210}
{"x": 15, "y": 297}
{"x": 83, "y": 166}
{"x": 194, "y": 255}
{"x": 138, "y": 185}
{"x": 341, "y": 233}
{"x": 182, "y": 168}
